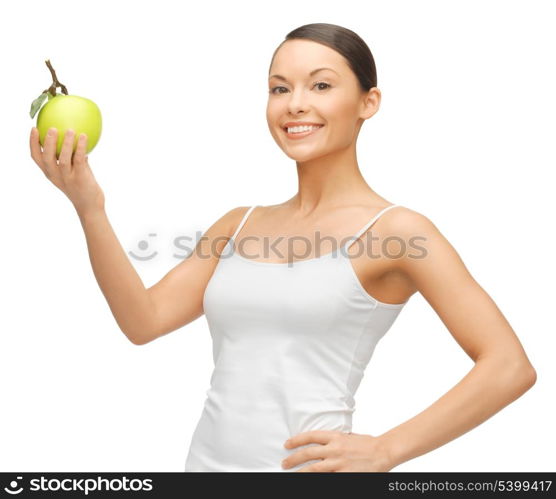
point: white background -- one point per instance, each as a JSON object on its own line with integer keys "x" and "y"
{"x": 464, "y": 135}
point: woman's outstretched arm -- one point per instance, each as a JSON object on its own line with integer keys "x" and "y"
{"x": 142, "y": 314}
{"x": 122, "y": 287}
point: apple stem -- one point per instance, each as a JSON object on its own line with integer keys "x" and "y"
{"x": 55, "y": 82}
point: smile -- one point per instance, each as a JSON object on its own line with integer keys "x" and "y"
{"x": 303, "y": 134}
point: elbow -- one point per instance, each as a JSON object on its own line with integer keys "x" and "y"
{"x": 530, "y": 376}
{"x": 136, "y": 339}
{"x": 514, "y": 373}
{"x": 143, "y": 337}
{"x": 524, "y": 375}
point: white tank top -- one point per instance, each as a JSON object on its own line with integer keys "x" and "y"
{"x": 291, "y": 342}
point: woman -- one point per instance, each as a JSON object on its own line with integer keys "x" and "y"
{"x": 292, "y": 336}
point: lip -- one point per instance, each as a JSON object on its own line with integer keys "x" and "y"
{"x": 299, "y": 123}
{"x": 302, "y": 135}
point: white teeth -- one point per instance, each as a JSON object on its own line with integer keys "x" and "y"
{"x": 304, "y": 128}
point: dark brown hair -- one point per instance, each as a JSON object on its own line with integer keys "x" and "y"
{"x": 344, "y": 41}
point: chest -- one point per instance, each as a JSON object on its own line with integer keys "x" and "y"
{"x": 311, "y": 299}
{"x": 302, "y": 246}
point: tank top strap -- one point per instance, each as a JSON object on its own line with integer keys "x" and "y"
{"x": 243, "y": 220}
{"x": 369, "y": 223}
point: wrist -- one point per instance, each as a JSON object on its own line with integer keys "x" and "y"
{"x": 85, "y": 214}
{"x": 391, "y": 449}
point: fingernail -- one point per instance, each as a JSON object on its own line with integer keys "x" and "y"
{"x": 51, "y": 131}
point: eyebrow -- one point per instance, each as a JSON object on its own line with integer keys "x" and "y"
{"x": 280, "y": 77}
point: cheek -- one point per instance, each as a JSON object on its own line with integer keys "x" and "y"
{"x": 273, "y": 109}
{"x": 272, "y": 116}
{"x": 341, "y": 112}
{"x": 343, "y": 122}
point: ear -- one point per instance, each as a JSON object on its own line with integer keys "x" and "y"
{"x": 371, "y": 103}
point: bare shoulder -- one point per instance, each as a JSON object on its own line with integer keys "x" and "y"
{"x": 217, "y": 235}
{"x": 232, "y": 218}
{"x": 227, "y": 223}
{"x": 426, "y": 257}
{"x": 404, "y": 221}
{"x": 401, "y": 232}
{"x": 418, "y": 238}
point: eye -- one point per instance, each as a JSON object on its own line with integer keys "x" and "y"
{"x": 272, "y": 90}
{"x": 322, "y": 83}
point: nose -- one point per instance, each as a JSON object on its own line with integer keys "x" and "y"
{"x": 297, "y": 102}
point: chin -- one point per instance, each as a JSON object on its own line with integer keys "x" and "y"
{"x": 304, "y": 158}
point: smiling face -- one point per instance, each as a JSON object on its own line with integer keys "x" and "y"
{"x": 330, "y": 97}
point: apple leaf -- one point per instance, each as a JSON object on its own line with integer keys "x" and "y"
{"x": 37, "y": 103}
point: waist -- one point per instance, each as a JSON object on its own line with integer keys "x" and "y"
{"x": 249, "y": 435}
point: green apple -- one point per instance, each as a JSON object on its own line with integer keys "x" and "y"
{"x": 65, "y": 112}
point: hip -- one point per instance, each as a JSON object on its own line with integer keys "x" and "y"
{"x": 253, "y": 442}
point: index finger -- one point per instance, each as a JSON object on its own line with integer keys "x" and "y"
{"x": 308, "y": 437}
{"x": 35, "y": 146}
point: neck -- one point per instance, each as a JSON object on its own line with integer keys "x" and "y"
{"x": 328, "y": 182}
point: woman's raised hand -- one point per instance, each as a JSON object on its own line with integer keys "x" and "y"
{"x": 71, "y": 172}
